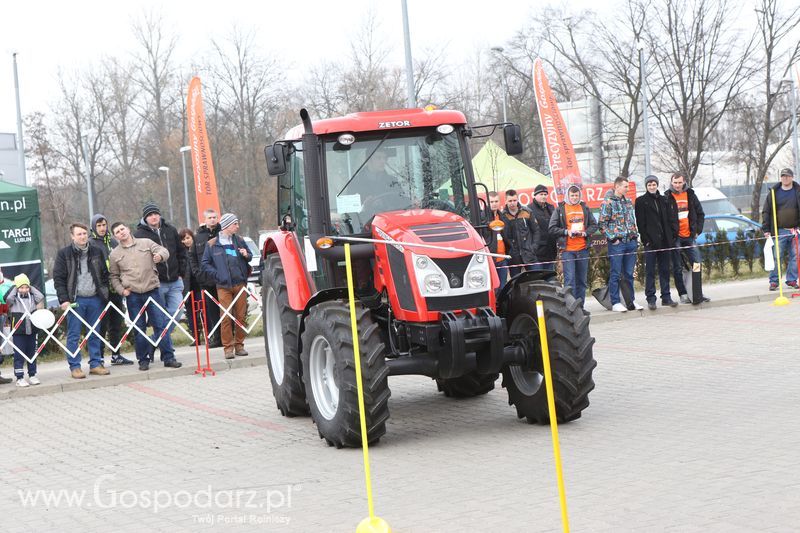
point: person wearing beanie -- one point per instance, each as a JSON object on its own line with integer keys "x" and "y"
{"x": 618, "y": 223}
{"x": 546, "y": 250}
{"x": 787, "y": 209}
{"x": 5, "y": 286}
{"x": 656, "y": 233}
{"x": 175, "y": 268}
{"x": 686, "y": 217}
{"x": 112, "y": 320}
{"x": 227, "y": 261}
{"x": 208, "y": 230}
{"x": 80, "y": 276}
{"x": 23, "y": 300}
{"x": 572, "y": 224}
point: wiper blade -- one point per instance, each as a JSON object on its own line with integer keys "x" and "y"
{"x": 362, "y": 164}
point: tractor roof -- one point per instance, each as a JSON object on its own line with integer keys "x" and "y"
{"x": 381, "y": 120}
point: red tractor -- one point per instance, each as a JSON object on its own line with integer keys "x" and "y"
{"x": 403, "y": 176}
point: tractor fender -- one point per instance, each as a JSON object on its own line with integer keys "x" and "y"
{"x": 298, "y": 281}
{"x": 525, "y": 276}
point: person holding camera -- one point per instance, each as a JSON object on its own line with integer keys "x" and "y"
{"x": 618, "y": 223}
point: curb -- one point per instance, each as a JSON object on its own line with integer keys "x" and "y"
{"x": 610, "y": 316}
{"x": 112, "y": 380}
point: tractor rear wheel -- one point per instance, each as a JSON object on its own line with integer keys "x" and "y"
{"x": 329, "y": 374}
{"x": 467, "y": 386}
{"x": 280, "y": 339}
{"x": 571, "y": 358}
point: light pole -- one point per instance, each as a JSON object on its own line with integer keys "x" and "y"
{"x": 645, "y": 115}
{"x": 169, "y": 194}
{"x": 793, "y": 104}
{"x": 412, "y": 97}
{"x": 499, "y": 51}
{"x": 89, "y": 178}
{"x": 185, "y": 149}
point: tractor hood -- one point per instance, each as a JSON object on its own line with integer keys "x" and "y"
{"x": 430, "y": 227}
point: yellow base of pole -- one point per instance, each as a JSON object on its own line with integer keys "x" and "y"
{"x": 373, "y": 525}
{"x": 781, "y": 300}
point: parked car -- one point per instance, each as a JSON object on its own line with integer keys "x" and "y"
{"x": 715, "y": 202}
{"x": 255, "y": 262}
{"x": 730, "y": 224}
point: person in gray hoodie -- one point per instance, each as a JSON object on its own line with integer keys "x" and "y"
{"x": 112, "y": 320}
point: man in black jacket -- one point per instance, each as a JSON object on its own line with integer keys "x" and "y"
{"x": 656, "y": 232}
{"x": 521, "y": 234}
{"x": 207, "y": 231}
{"x": 80, "y": 276}
{"x": 542, "y": 212}
{"x": 172, "y": 271}
{"x": 112, "y": 321}
{"x": 787, "y": 209}
{"x": 687, "y": 215}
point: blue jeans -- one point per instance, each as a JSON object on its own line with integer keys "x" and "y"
{"x": 155, "y": 318}
{"x": 171, "y": 293}
{"x": 89, "y": 309}
{"x": 663, "y": 258}
{"x": 786, "y": 244}
{"x": 622, "y": 256}
{"x": 576, "y": 267}
{"x": 677, "y": 265}
{"x": 26, "y": 345}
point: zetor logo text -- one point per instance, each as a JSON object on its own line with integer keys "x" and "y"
{"x": 395, "y": 124}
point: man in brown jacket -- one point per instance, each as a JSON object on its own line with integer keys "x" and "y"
{"x": 133, "y": 274}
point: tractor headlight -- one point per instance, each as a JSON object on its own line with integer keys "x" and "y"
{"x": 422, "y": 262}
{"x": 434, "y": 283}
{"x": 476, "y": 279}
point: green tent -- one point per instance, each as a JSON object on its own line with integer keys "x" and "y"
{"x": 500, "y": 171}
{"x": 20, "y": 233}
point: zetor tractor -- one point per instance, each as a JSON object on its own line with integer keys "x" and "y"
{"x": 403, "y": 176}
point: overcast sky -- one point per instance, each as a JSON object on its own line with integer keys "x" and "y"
{"x": 48, "y": 35}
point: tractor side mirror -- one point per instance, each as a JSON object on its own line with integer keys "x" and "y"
{"x": 512, "y": 135}
{"x": 276, "y": 159}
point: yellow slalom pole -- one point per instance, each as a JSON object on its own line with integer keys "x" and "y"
{"x": 781, "y": 299}
{"x": 371, "y": 523}
{"x": 551, "y": 405}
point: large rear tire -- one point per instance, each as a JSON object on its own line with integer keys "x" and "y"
{"x": 571, "y": 358}
{"x": 280, "y": 339}
{"x": 329, "y": 374}
{"x": 467, "y": 386}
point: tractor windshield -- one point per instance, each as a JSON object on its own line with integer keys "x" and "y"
{"x": 393, "y": 171}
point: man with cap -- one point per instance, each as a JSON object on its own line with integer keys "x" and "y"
{"x": 227, "y": 261}
{"x": 132, "y": 267}
{"x": 112, "y": 320}
{"x": 787, "y": 207}
{"x": 656, "y": 232}
{"x": 171, "y": 271}
{"x": 571, "y": 224}
{"x": 542, "y": 211}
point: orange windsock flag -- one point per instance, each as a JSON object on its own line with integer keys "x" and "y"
{"x": 560, "y": 153}
{"x": 205, "y": 183}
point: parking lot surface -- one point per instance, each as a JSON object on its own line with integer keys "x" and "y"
{"x": 693, "y": 426}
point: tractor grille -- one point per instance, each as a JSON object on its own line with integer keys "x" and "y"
{"x": 457, "y": 303}
{"x": 445, "y": 232}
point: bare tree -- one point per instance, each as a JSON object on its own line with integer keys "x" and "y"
{"x": 702, "y": 66}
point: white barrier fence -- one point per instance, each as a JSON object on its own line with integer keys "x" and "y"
{"x": 151, "y": 305}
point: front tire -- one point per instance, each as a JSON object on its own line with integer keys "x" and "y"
{"x": 571, "y": 358}
{"x": 281, "y": 325}
{"x": 329, "y": 374}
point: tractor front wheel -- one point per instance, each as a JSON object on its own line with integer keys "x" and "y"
{"x": 280, "y": 339}
{"x": 571, "y": 358}
{"x": 329, "y": 374}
